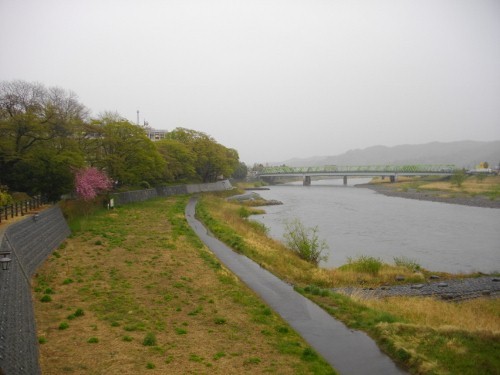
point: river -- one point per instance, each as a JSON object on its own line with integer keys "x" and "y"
{"x": 357, "y": 221}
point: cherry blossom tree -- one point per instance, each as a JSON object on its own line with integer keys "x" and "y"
{"x": 89, "y": 182}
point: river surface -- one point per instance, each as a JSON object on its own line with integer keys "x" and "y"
{"x": 357, "y": 221}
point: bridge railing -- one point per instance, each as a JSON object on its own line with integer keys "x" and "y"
{"x": 413, "y": 168}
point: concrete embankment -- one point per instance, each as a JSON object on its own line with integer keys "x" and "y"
{"x": 348, "y": 351}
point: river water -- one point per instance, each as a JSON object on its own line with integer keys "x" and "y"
{"x": 357, "y": 221}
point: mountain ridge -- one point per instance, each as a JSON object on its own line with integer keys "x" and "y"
{"x": 466, "y": 154}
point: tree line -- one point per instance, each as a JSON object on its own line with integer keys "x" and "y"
{"x": 47, "y": 134}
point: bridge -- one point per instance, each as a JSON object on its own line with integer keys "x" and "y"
{"x": 391, "y": 171}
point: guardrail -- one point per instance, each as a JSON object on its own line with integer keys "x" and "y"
{"x": 20, "y": 208}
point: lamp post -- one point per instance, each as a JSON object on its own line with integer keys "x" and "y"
{"x": 5, "y": 261}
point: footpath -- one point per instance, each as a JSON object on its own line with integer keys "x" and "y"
{"x": 347, "y": 351}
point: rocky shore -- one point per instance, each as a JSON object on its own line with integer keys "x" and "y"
{"x": 450, "y": 290}
{"x": 433, "y": 196}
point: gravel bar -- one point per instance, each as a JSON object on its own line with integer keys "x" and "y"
{"x": 452, "y": 290}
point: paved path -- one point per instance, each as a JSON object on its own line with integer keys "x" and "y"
{"x": 346, "y": 350}
{"x": 453, "y": 290}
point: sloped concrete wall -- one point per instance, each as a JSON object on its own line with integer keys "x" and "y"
{"x": 30, "y": 242}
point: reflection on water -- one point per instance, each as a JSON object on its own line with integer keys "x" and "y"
{"x": 357, "y": 221}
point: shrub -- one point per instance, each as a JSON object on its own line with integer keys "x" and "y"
{"x": 305, "y": 241}
{"x": 46, "y": 298}
{"x": 63, "y": 325}
{"x": 93, "y": 340}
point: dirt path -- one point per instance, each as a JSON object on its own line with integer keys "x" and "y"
{"x": 348, "y": 351}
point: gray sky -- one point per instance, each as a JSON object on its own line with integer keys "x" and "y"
{"x": 274, "y": 79}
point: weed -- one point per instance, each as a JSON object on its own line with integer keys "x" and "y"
{"x": 363, "y": 264}
{"x": 42, "y": 340}
{"x": 46, "y": 298}
{"x": 218, "y": 356}
{"x": 309, "y": 354}
{"x": 219, "y": 320}
{"x": 252, "y": 361}
{"x": 150, "y": 366}
{"x": 127, "y": 338}
{"x": 408, "y": 263}
{"x": 180, "y": 331}
{"x": 149, "y": 339}
{"x": 93, "y": 340}
{"x": 63, "y": 326}
{"x": 67, "y": 281}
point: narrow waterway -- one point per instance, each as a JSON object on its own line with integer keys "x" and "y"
{"x": 358, "y": 221}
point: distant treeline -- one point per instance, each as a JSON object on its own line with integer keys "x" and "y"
{"x": 46, "y": 134}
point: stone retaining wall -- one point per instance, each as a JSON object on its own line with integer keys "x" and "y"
{"x": 166, "y": 191}
{"x": 30, "y": 242}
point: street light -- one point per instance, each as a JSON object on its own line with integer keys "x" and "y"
{"x": 5, "y": 261}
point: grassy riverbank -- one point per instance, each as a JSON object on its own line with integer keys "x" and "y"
{"x": 427, "y": 336}
{"x": 135, "y": 291}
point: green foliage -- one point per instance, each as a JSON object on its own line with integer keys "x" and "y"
{"x": 93, "y": 340}
{"x": 408, "y": 263}
{"x": 149, "y": 339}
{"x": 364, "y": 264}
{"x": 305, "y": 241}
{"x": 5, "y": 197}
{"x": 458, "y": 178}
{"x": 63, "y": 326}
{"x": 46, "y": 298}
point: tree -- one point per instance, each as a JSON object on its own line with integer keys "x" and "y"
{"x": 124, "y": 151}
{"x": 180, "y": 160}
{"x": 458, "y": 178}
{"x": 305, "y": 241}
{"x": 89, "y": 182}
{"x": 241, "y": 171}
{"x": 211, "y": 158}
{"x": 36, "y": 144}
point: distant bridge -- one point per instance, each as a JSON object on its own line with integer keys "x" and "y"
{"x": 391, "y": 171}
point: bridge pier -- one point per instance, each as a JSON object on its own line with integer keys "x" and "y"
{"x": 345, "y": 180}
{"x": 307, "y": 181}
{"x": 394, "y": 178}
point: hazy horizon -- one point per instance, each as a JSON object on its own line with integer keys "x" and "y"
{"x": 275, "y": 79}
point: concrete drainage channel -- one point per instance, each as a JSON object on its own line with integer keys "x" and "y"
{"x": 346, "y": 350}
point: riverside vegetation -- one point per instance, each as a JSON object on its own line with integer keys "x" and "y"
{"x": 138, "y": 287}
{"x": 133, "y": 290}
{"x": 425, "y": 335}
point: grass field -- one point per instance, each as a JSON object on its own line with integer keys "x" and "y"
{"x": 134, "y": 291}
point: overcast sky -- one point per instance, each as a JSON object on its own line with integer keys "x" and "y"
{"x": 274, "y": 79}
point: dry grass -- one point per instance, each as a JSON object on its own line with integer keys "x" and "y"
{"x": 474, "y": 315}
{"x": 133, "y": 272}
{"x": 470, "y": 186}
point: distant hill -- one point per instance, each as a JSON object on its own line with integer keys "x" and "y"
{"x": 465, "y": 154}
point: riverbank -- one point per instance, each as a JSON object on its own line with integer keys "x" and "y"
{"x": 393, "y": 190}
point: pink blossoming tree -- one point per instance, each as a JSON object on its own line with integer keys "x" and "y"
{"x": 90, "y": 181}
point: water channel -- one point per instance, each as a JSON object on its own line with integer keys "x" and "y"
{"x": 358, "y": 221}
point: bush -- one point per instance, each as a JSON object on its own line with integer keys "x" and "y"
{"x": 364, "y": 264}
{"x": 305, "y": 242}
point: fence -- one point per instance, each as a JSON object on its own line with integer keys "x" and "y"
{"x": 21, "y": 207}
